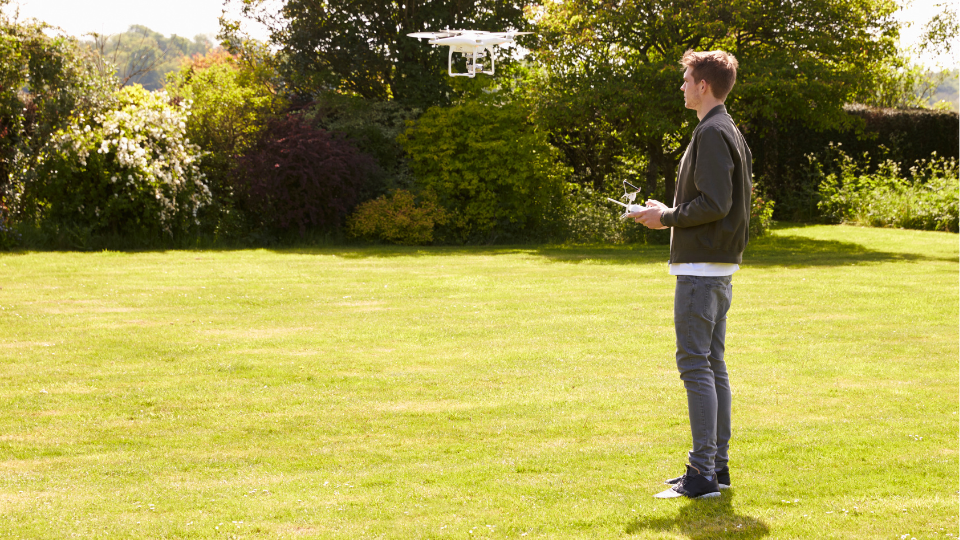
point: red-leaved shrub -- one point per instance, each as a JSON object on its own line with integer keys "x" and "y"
{"x": 300, "y": 176}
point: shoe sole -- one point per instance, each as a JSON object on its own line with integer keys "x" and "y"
{"x": 671, "y": 494}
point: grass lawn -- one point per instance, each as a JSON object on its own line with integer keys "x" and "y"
{"x": 473, "y": 393}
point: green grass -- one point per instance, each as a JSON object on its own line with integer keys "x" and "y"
{"x": 473, "y": 393}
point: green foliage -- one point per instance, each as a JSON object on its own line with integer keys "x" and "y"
{"x": 900, "y": 83}
{"x": 591, "y": 219}
{"x": 927, "y": 200}
{"x": 761, "y": 215}
{"x": 611, "y": 79}
{"x": 230, "y": 103}
{"x": 361, "y": 47}
{"x": 44, "y": 79}
{"x": 908, "y": 136}
{"x": 9, "y": 237}
{"x": 489, "y": 167}
{"x": 129, "y": 170}
{"x": 939, "y": 34}
{"x": 373, "y": 127}
{"x": 947, "y": 94}
{"x": 142, "y": 56}
{"x": 397, "y": 219}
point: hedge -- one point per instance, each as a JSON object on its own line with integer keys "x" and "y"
{"x": 909, "y": 135}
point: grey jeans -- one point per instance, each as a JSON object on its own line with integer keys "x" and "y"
{"x": 700, "y": 318}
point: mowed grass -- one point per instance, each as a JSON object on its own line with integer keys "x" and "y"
{"x": 473, "y": 393}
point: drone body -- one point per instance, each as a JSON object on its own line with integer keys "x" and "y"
{"x": 630, "y": 196}
{"x": 475, "y": 45}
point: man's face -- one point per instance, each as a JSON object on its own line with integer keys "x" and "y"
{"x": 691, "y": 91}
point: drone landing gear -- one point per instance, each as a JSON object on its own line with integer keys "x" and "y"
{"x": 474, "y": 56}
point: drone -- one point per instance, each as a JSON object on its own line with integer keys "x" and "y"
{"x": 630, "y": 196}
{"x": 475, "y": 45}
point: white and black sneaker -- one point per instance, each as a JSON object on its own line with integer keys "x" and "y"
{"x": 692, "y": 485}
{"x": 723, "y": 478}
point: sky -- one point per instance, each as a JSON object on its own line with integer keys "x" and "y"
{"x": 187, "y": 18}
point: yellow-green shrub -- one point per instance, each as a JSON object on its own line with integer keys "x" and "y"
{"x": 397, "y": 219}
{"x": 490, "y": 167}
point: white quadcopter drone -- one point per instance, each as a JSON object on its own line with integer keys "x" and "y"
{"x": 471, "y": 44}
{"x": 630, "y": 196}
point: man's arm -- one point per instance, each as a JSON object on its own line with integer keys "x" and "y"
{"x": 713, "y": 178}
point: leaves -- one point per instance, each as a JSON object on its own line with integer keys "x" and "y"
{"x": 129, "y": 169}
{"x": 489, "y": 167}
{"x": 611, "y": 78}
{"x": 361, "y": 47}
{"x": 301, "y": 177}
{"x": 397, "y": 219}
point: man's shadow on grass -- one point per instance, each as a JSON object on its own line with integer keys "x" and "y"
{"x": 706, "y": 519}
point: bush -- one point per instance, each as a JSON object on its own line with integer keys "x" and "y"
{"x": 300, "y": 177}
{"x": 591, "y": 219}
{"x": 127, "y": 171}
{"x": 909, "y": 135}
{"x": 761, "y": 215}
{"x": 373, "y": 127}
{"x": 397, "y": 219}
{"x": 491, "y": 169}
{"x": 9, "y": 238}
{"x": 230, "y": 105}
{"x": 927, "y": 200}
{"x": 45, "y": 81}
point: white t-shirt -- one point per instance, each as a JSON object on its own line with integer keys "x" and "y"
{"x": 703, "y": 269}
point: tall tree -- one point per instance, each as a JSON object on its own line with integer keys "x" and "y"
{"x": 142, "y": 56}
{"x": 611, "y": 69}
{"x": 45, "y": 79}
{"x": 361, "y": 46}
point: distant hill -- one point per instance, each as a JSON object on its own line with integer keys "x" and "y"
{"x": 949, "y": 90}
{"x": 144, "y": 57}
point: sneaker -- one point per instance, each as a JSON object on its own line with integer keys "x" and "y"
{"x": 692, "y": 485}
{"x": 723, "y": 478}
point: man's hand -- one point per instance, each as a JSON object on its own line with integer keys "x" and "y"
{"x": 650, "y": 216}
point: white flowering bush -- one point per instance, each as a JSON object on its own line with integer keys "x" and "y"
{"x": 127, "y": 170}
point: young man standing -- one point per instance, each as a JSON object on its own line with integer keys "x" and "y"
{"x": 710, "y": 227}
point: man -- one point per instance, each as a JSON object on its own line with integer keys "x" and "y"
{"x": 710, "y": 224}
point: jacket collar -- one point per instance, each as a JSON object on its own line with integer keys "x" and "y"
{"x": 719, "y": 109}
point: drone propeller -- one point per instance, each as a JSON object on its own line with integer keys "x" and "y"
{"x": 510, "y": 34}
{"x": 630, "y": 195}
{"x": 431, "y": 35}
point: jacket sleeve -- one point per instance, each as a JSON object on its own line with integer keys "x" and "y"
{"x": 713, "y": 178}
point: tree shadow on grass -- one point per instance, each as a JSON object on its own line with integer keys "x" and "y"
{"x": 769, "y": 251}
{"x": 803, "y": 251}
{"x": 707, "y": 519}
{"x": 788, "y": 251}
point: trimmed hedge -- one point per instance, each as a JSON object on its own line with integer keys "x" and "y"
{"x": 909, "y": 135}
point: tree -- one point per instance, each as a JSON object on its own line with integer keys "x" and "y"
{"x": 940, "y": 34}
{"x": 610, "y": 70}
{"x": 142, "y": 56}
{"x": 231, "y": 103}
{"x": 361, "y": 47}
{"x": 45, "y": 79}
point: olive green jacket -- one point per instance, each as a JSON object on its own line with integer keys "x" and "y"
{"x": 710, "y": 219}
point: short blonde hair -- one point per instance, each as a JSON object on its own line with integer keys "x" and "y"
{"x": 717, "y": 68}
